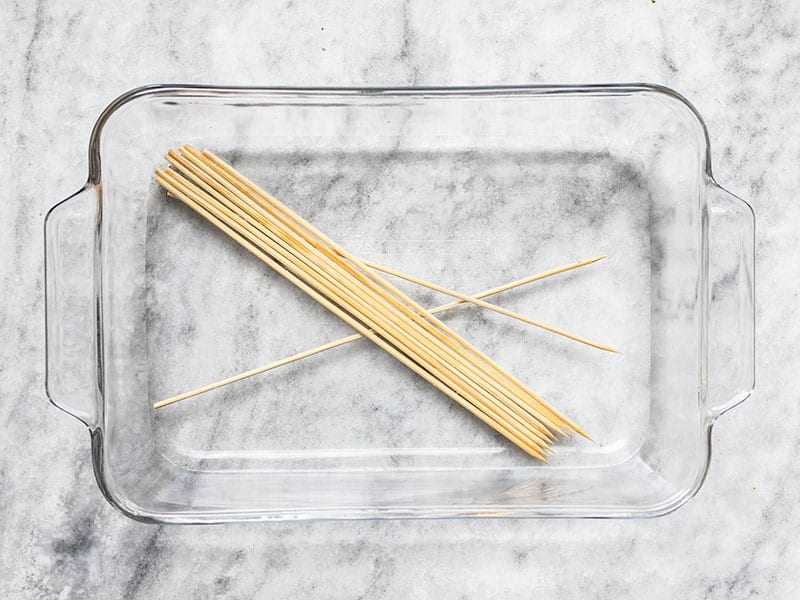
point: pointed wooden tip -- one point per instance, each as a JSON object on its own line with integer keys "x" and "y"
{"x": 602, "y": 347}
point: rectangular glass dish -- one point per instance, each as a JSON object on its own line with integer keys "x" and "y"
{"x": 469, "y": 188}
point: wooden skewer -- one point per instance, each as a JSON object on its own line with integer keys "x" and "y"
{"x": 489, "y": 306}
{"x": 449, "y": 366}
{"x": 504, "y": 424}
{"x": 371, "y": 302}
{"x": 512, "y": 386}
{"x": 352, "y": 338}
{"x": 231, "y": 228}
{"x": 348, "y": 287}
{"x": 422, "y": 346}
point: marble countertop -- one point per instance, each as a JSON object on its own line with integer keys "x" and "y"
{"x": 62, "y": 62}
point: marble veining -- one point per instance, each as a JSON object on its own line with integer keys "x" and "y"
{"x": 738, "y": 64}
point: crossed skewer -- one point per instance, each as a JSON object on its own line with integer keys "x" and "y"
{"x": 462, "y": 299}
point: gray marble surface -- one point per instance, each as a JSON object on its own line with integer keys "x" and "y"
{"x": 739, "y": 62}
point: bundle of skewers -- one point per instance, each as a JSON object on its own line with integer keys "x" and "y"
{"x": 357, "y": 292}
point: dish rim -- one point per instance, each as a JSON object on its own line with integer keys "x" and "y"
{"x": 138, "y": 513}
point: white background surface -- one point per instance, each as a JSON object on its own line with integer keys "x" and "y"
{"x": 62, "y": 62}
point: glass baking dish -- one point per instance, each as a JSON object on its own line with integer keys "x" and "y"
{"x": 466, "y": 187}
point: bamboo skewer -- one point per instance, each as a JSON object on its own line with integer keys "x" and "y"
{"x": 229, "y": 226}
{"x": 379, "y": 300}
{"x": 492, "y": 307}
{"x": 355, "y": 337}
{"x": 420, "y": 346}
{"x": 451, "y": 368}
{"x": 348, "y": 287}
{"x": 286, "y": 216}
{"x": 419, "y": 350}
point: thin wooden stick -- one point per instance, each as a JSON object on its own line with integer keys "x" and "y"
{"x": 221, "y": 220}
{"x": 422, "y": 346}
{"x": 512, "y": 386}
{"x": 352, "y": 338}
{"x": 373, "y": 301}
{"x": 344, "y": 284}
{"x": 489, "y": 306}
{"x": 383, "y": 301}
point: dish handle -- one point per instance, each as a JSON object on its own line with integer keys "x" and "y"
{"x": 731, "y": 320}
{"x": 70, "y": 328}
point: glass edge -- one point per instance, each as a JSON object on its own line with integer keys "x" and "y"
{"x": 155, "y": 90}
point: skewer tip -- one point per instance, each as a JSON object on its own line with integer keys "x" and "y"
{"x": 589, "y": 261}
